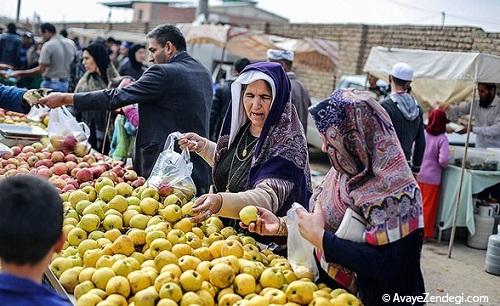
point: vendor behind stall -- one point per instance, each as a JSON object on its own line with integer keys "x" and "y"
{"x": 486, "y": 116}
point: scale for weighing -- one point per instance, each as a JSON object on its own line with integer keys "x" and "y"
{"x": 13, "y": 134}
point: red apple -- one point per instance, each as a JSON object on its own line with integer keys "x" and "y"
{"x": 57, "y": 156}
{"x": 68, "y": 187}
{"x": 130, "y": 175}
{"x": 69, "y": 142}
{"x": 111, "y": 175}
{"x": 83, "y": 165}
{"x": 59, "y": 169}
{"x": 44, "y": 162}
{"x": 32, "y": 160}
{"x": 97, "y": 171}
{"x": 118, "y": 170}
{"x": 6, "y": 155}
{"x": 71, "y": 165}
{"x": 44, "y": 172}
{"x": 138, "y": 182}
{"x": 28, "y": 149}
{"x": 165, "y": 189}
{"x": 84, "y": 175}
{"x": 70, "y": 157}
{"x": 38, "y": 147}
{"x": 15, "y": 150}
{"x": 74, "y": 171}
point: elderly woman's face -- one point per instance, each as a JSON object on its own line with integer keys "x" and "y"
{"x": 89, "y": 62}
{"x": 257, "y": 100}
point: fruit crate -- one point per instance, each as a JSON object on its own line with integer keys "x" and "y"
{"x": 50, "y": 279}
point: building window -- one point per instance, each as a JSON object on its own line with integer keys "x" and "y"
{"x": 139, "y": 15}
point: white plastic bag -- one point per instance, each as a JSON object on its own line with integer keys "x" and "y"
{"x": 38, "y": 113}
{"x": 300, "y": 250}
{"x": 172, "y": 171}
{"x": 66, "y": 134}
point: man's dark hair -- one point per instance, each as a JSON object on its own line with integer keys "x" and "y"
{"x": 489, "y": 86}
{"x": 11, "y": 28}
{"x": 111, "y": 40}
{"x": 31, "y": 219}
{"x": 400, "y": 82}
{"x": 48, "y": 27}
{"x": 168, "y": 32}
{"x": 240, "y": 64}
{"x": 64, "y": 33}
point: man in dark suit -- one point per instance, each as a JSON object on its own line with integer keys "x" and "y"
{"x": 175, "y": 94}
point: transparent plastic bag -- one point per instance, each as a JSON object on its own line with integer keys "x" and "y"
{"x": 172, "y": 171}
{"x": 300, "y": 250}
{"x": 66, "y": 134}
{"x": 38, "y": 113}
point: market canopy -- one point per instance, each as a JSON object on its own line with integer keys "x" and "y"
{"x": 440, "y": 76}
{"x": 254, "y": 44}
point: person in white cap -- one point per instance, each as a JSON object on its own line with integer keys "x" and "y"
{"x": 406, "y": 115}
{"x": 300, "y": 95}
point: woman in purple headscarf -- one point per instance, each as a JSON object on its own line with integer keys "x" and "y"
{"x": 261, "y": 156}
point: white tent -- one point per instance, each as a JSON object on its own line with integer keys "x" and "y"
{"x": 440, "y": 76}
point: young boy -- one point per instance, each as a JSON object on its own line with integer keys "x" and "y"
{"x": 30, "y": 232}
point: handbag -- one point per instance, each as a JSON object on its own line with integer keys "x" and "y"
{"x": 352, "y": 227}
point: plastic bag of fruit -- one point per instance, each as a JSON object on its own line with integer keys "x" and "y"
{"x": 66, "y": 134}
{"x": 172, "y": 171}
{"x": 300, "y": 250}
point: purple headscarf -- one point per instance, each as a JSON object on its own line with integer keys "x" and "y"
{"x": 281, "y": 151}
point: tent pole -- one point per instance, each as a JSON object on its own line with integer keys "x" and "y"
{"x": 459, "y": 197}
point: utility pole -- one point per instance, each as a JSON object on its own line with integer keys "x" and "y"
{"x": 202, "y": 9}
{"x": 443, "y": 18}
{"x": 18, "y": 10}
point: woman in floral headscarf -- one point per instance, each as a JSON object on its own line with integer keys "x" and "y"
{"x": 261, "y": 156}
{"x": 370, "y": 175}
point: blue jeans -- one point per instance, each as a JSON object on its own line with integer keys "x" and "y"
{"x": 58, "y": 86}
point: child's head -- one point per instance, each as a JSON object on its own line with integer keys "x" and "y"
{"x": 31, "y": 220}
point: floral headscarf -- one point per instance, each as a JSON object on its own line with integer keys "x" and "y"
{"x": 369, "y": 174}
{"x": 372, "y": 176}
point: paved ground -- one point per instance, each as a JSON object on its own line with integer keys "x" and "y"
{"x": 462, "y": 275}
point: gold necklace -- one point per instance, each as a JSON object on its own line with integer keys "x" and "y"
{"x": 230, "y": 179}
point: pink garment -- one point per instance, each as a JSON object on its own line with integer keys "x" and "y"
{"x": 435, "y": 159}
{"x": 132, "y": 114}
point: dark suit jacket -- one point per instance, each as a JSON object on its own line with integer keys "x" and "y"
{"x": 175, "y": 96}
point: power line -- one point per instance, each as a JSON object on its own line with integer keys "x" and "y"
{"x": 466, "y": 18}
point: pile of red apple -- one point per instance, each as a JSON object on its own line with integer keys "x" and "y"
{"x": 10, "y": 117}
{"x": 66, "y": 171}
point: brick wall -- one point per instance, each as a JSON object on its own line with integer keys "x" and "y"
{"x": 355, "y": 42}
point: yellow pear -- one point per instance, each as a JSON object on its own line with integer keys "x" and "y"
{"x": 171, "y": 291}
{"x": 101, "y": 277}
{"x": 119, "y": 285}
{"x": 221, "y": 275}
{"x": 146, "y": 297}
{"x": 139, "y": 280}
{"x": 244, "y": 284}
{"x": 190, "y": 280}
{"x": 123, "y": 245}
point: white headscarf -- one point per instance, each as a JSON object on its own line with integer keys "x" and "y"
{"x": 238, "y": 116}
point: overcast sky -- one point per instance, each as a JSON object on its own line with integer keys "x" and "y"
{"x": 482, "y": 13}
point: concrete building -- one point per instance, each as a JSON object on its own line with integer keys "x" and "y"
{"x": 243, "y": 12}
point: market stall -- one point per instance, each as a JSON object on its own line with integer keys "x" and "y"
{"x": 129, "y": 240}
{"x": 442, "y": 78}
{"x": 474, "y": 182}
